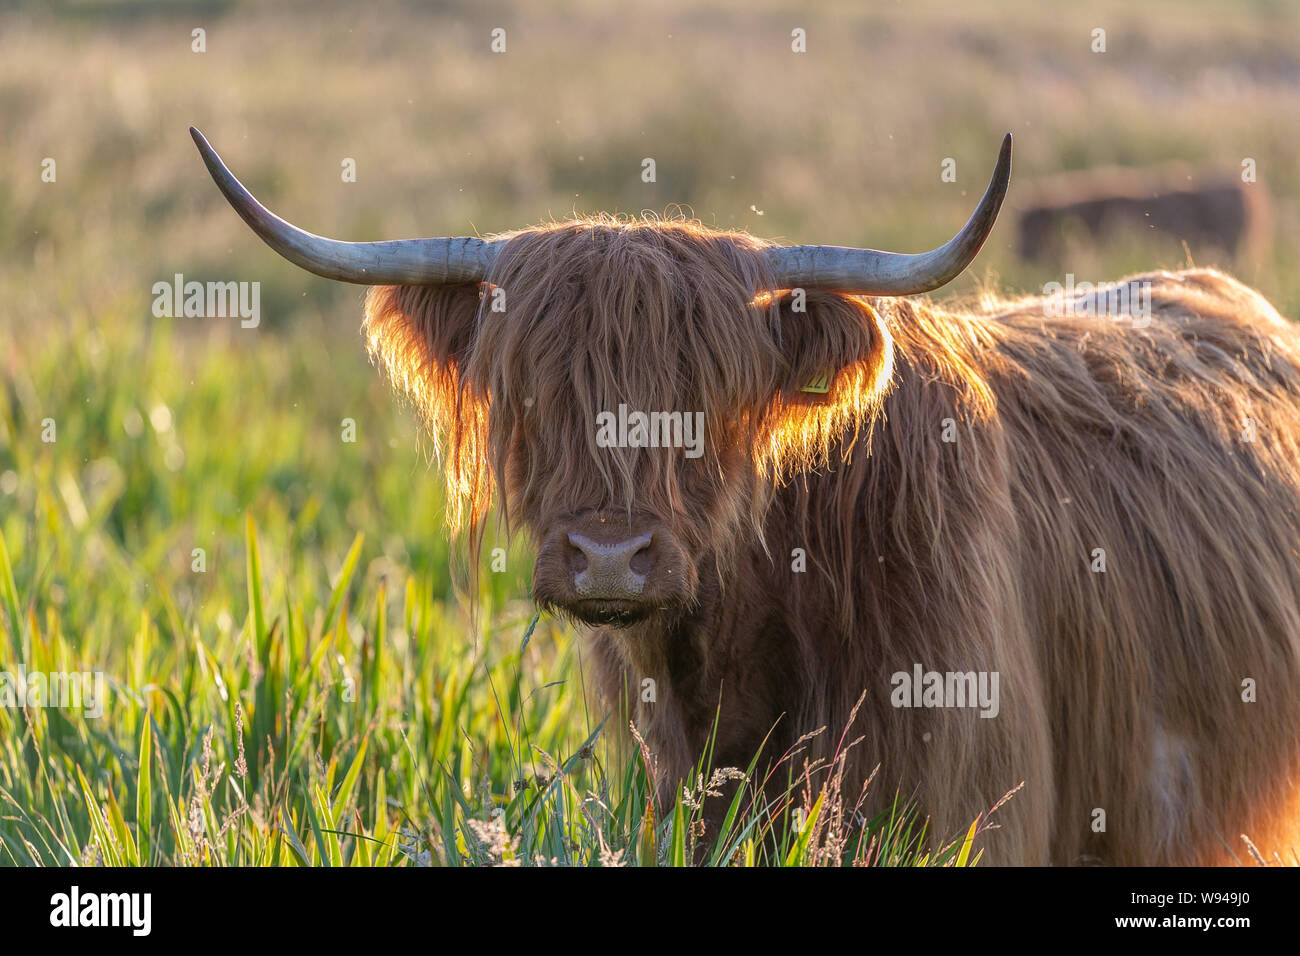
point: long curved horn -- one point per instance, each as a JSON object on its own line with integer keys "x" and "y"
{"x": 870, "y": 272}
{"x": 397, "y": 262}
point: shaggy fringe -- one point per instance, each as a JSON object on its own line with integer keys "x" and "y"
{"x": 661, "y": 315}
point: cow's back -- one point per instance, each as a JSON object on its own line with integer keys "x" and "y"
{"x": 1153, "y": 470}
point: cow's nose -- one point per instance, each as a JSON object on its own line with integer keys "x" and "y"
{"x": 610, "y": 571}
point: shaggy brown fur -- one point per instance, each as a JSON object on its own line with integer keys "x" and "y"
{"x": 1172, "y": 447}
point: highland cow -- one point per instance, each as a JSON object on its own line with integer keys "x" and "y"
{"x": 1215, "y": 216}
{"x": 1102, "y": 513}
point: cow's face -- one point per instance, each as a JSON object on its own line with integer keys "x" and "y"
{"x": 632, "y": 396}
{"x": 632, "y": 390}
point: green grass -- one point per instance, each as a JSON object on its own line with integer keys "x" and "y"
{"x": 315, "y": 695}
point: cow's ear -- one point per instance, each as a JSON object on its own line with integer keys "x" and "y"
{"x": 829, "y": 342}
{"x": 423, "y": 336}
{"x": 419, "y": 333}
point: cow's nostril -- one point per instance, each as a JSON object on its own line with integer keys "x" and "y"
{"x": 577, "y": 558}
{"x": 643, "y": 561}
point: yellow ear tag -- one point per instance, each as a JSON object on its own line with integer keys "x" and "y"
{"x": 819, "y": 384}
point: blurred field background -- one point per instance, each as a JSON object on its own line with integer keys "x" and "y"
{"x": 352, "y": 712}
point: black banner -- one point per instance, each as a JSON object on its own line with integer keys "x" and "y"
{"x": 930, "y": 906}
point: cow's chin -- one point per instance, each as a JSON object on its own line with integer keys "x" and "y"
{"x": 609, "y": 613}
